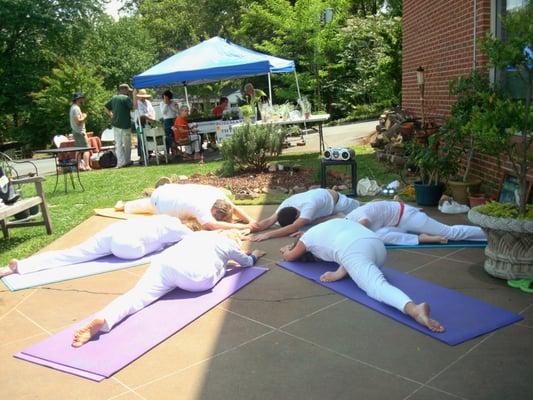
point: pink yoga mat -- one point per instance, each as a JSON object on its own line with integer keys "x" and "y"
{"x": 109, "y": 352}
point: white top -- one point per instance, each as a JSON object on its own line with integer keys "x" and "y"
{"x": 330, "y": 240}
{"x": 169, "y": 111}
{"x": 162, "y": 229}
{"x": 77, "y": 127}
{"x": 379, "y": 213}
{"x": 187, "y": 201}
{"x": 146, "y": 109}
{"x": 199, "y": 253}
{"x": 313, "y": 204}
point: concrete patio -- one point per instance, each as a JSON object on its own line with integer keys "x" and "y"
{"x": 281, "y": 337}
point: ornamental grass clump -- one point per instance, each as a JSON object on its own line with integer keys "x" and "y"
{"x": 250, "y": 146}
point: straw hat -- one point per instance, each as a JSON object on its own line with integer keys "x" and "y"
{"x": 142, "y": 94}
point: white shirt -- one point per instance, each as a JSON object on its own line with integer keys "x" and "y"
{"x": 201, "y": 253}
{"x": 330, "y": 240}
{"x": 169, "y": 111}
{"x": 313, "y": 204}
{"x": 162, "y": 229}
{"x": 146, "y": 109}
{"x": 77, "y": 127}
{"x": 187, "y": 201}
{"x": 379, "y": 213}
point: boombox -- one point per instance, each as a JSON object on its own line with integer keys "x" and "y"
{"x": 339, "y": 154}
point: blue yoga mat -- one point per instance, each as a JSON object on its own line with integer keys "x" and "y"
{"x": 44, "y": 277}
{"x": 451, "y": 244}
{"x": 463, "y": 317}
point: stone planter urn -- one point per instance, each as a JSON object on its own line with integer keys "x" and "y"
{"x": 509, "y": 253}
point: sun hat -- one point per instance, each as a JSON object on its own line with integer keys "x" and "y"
{"x": 142, "y": 94}
{"x": 77, "y": 95}
{"x": 125, "y": 86}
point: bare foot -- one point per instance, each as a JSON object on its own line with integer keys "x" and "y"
{"x": 332, "y": 276}
{"x": 119, "y": 206}
{"x": 420, "y": 313}
{"x": 11, "y": 268}
{"x": 425, "y": 238}
{"x": 85, "y": 334}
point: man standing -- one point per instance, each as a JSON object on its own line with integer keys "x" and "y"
{"x": 118, "y": 109}
{"x": 77, "y": 125}
{"x": 147, "y": 116}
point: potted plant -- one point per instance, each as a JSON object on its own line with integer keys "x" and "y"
{"x": 504, "y": 126}
{"x": 434, "y": 164}
{"x": 305, "y": 107}
{"x": 469, "y": 91}
{"x": 246, "y": 112}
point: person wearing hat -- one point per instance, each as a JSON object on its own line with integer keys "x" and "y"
{"x": 118, "y": 109}
{"x": 147, "y": 115}
{"x": 77, "y": 126}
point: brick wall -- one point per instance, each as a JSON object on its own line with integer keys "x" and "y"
{"x": 439, "y": 35}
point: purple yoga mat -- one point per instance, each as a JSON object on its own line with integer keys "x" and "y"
{"x": 463, "y": 317}
{"x": 109, "y": 352}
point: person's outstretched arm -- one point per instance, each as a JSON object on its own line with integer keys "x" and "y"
{"x": 214, "y": 225}
{"x": 241, "y": 214}
{"x": 264, "y": 223}
{"x": 285, "y": 231}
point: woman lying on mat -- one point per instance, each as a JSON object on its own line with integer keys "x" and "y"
{"x": 128, "y": 239}
{"x": 207, "y": 204}
{"x": 359, "y": 253}
{"x": 195, "y": 264}
{"x": 392, "y": 220}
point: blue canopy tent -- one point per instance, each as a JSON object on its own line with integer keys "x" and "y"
{"x": 213, "y": 60}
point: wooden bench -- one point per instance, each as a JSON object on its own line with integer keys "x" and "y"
{"x": 25, "y": 204}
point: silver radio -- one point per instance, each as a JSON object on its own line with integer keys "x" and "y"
{"x": 339, "y": 154}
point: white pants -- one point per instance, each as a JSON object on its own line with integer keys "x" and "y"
{"x": 163, "y": 275}
{"x": 140, "y": 206}
{"x": 361, "y": 261}
{"x": 122, "y": 146}
{"x": 100, "y": 245}
{"x": 418, "y": 222}
{"x": 345, "y": 205}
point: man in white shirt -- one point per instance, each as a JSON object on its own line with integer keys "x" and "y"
{"x": 169, "y": 109}
{"x": 147, "y": 115}
{"x": 302, "y": 209}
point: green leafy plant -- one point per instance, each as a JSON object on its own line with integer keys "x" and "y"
{"x": 504, "y": 125}
{"x": 470, "y": 91}
{"x": 506, "y": 210}
{"x": 434, "y": 160}
{"x": 250, "y": 145}
{"x": 246, "y": 111}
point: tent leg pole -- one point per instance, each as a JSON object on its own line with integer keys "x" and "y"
{"x": 186, "y": 97}
{"x": 269, "y": 90}
{"x": 297, "y": 85}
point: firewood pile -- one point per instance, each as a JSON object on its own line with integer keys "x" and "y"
{"x": 394, "y": 130}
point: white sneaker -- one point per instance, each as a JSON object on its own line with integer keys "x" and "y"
{"x": 453, "y": 207}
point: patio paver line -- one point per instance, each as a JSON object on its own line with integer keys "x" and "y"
{"x": 129, "y": 390}
{"x": 435, "y": 260}
{"x": 178, "y": 371}
{"x": 418, "y": 253}
{"x": 452, "y": 364}
{"x": 18, "y": 304}
{"x": 35, "y": 323}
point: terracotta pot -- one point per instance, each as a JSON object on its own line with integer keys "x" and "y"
{"x": 477, "y": 199}
{"x": 407, "y": 129}
{"x": 461, "y": 190}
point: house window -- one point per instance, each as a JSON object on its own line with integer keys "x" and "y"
{"x": 509, "y": 81}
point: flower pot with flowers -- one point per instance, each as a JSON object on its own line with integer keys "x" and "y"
{"x": 505, "y": 127}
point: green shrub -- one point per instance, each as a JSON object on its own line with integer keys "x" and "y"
{"x": 506, "y": 210}
{"x": 250, "y": 145}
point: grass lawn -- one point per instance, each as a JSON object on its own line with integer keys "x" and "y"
{"x": 104, "y": 187}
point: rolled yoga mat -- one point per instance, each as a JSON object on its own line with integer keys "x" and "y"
{"x": 109, "y": 352}
{"x": 451, "y": 244}
{"x": 67, "y": 272}
{"x": 463, "y": 317}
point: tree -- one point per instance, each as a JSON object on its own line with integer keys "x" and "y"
{"x": 118, "y": 49}
{"x": 33, "y": 35}
{"x": 54, "y": 100}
